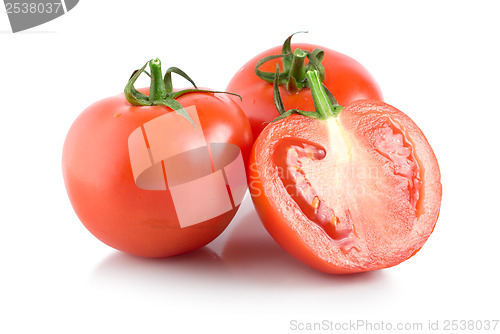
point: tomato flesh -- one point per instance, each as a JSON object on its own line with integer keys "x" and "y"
{"x": 361, "y": 191}
{"x": 399, "y": 153}
{"x": 290, "y": 156}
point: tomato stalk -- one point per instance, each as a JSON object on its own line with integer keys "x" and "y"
{"x": 324, "y": 102}
{"x": 294, "y": 66}
{"x": 161, "y": 90}
{"x": 297, "y": 73}
{"x": 157, "y": 89}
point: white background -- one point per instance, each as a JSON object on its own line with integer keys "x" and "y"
{"x": 438, "y": 61}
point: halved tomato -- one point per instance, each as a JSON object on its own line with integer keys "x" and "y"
{"x": 346, "y": 189}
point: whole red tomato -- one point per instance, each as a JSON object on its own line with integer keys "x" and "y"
{"x": 151, "y": 181}
{"x": 345, "y": 190}
{"x": 342, "y": 75}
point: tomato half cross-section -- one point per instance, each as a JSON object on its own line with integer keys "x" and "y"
{"x": 160, "y": 174}
{"x": 341, "y": 74}
{"x": 345, "y": 190}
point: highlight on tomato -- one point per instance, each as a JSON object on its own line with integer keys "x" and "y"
{"x": 341, "y": 74}
{"x": 157, "y": 172}
{"x": 345, "y": 189}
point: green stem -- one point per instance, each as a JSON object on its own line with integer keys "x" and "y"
{"x": 161, "y": 90}
{"x": 294, "y": 67}
{"x": 324, "y": 103}
{"x": 298, "y": 67}
{"x": 297, "y": 73}
{"x": 157, "y": 89}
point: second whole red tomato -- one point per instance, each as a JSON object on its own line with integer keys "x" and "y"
{"x": 341, "y": 74}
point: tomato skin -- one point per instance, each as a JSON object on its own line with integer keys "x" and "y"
{"x": 101, "y": 187}
{"x": 346, "y": 78}
{"x": 379, "y": 243}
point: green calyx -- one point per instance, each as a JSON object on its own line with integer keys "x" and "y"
{"x": 324, "y": 102}
{"x": 161, "y": 89}
{"x": 294, "y": 66}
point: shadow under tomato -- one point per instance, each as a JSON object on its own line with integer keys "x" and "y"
{"x": 203, "y": 264}
{"x": 243, "y": 257}
{"x": 252, "y": 255}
